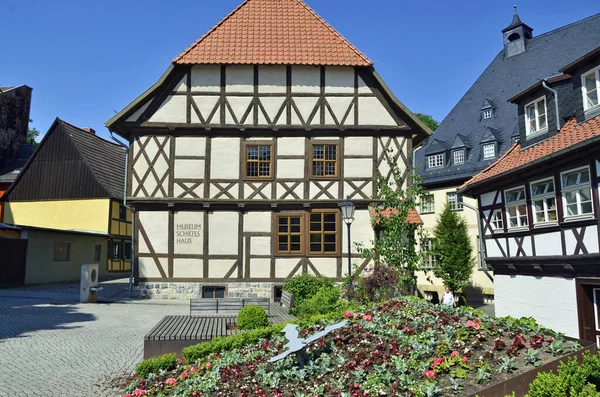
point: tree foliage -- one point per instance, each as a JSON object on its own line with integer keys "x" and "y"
{"x": 428, "y": 121}
{"x": 452, "y": 250}
{"x": 32, "y": 135}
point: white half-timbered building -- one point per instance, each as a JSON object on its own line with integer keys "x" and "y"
{"x": 540, "y": 205}
{"x": 242, "y": 152}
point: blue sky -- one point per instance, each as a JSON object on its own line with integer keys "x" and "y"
{"x": 87, "y": 59}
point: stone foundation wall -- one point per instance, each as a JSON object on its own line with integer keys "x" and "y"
{"x": 183, "y": 291}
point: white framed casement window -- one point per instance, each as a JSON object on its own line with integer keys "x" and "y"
{"x": 496, "y": 222}
{"x": 516, "y": 207}
{"x": 489, "y": 150}
{"x": 590, "y": 84}
{"x": 459, "y": 156}
{"x": 427, "y": 250}
{"x": 535, "y": 117}
{"x": 576, "y": 192}
{"x": 435, "y": 160}
{"x": 427, "y": 204}
{"x": 543, "y": 201}
{"x": 487, "y": 114}
{"x": 454, "y": 201}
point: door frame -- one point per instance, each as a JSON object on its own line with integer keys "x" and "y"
{"x": 586, "y": 309}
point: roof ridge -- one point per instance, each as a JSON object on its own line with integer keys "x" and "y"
{"x": 565, "y": 26}
{"x": 89, "y": 133}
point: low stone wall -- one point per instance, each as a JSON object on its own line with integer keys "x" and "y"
{"x": 182, "y": 291}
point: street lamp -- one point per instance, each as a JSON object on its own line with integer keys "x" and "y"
{"x": 347, "y": 209}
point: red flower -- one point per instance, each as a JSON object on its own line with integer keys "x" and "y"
{"x": 465, "y": 359}
{"x": 438, "y": 361}
{"x": 170, "y": 381}
{"x": 454, "y": 354}
{"x": 367, "y": 317}
{"x": 477, "y": 320}
{"x": 139, "y": 392}
{"x": 128, "y": 395}
{"x": 429, "y": 374}
{"x": 347, "y": 314}
{"x": 208, "y": 365}
{"x": 184, "y": 375}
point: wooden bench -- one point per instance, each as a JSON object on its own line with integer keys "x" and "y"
{"x": 287, "y": 299}
{"x": 203, "y": 307}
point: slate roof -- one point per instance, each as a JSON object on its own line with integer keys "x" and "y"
{"x": 570, "y": 134}
{"x": 502, "y": 79}
{"x": 284, "y": 32}
{"x": 9, "y": 172}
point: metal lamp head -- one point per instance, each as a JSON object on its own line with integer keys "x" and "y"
{"x": 347, "y": 209}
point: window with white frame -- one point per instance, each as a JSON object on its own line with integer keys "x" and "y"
{"x": 435, "y": 160}
{"x": 459, "y": 156}
{"x": 455, "y": 201}
{"x": 487, "y": 114}
{"x": 516, "y": 207}
{"x": 427, "y": 248}
{"x": 489, "y": 150}
{"x": 543, "y": 201}
{"x": 577, "y": 192}
{"x": 591, "y": 89}
{"x": 535, "y": 116}
{"x": 427, "y": 204}
{"x": 496, "y": 222}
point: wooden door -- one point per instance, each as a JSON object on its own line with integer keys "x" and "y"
{"x": 588, "y": 302}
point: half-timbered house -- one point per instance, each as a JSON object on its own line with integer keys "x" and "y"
{"x": 540, "y": 205}
{"x": 242, "y": 152}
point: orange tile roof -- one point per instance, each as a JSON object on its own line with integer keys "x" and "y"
{"x": 412, "y": 216}
{"x": 570, "y": 134}
{"x": 282, "y": 32}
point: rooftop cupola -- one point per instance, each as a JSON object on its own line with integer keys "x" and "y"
{"x": 515, "y": 36}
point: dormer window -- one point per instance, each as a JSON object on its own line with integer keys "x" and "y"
{"x": 459, "y": 156}
{"x": 435, "y": 160}
{"x": 486, "y": 114}
{"x": 591, "y": 89}
{"x": 489, "y": 151}
{"x": 535, "y": 117}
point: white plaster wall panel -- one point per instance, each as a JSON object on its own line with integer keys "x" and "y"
{"x": 260, "y": 268}
{"x": 206, "y": 106}
{"x": 290, "y": 146}
{"x": 493, "y": 247}
{"x": 317, "y": 187}
{"x": 305, "y": 106}
{"x": 239, "y": 105}
{"x": 550, "y": 300}
{"x": 218, "y": 268}
{"x": 182, "y": 85}
{"x": 225, "y": 158}
{"x": 485, "y": 215}
{"x": 333, "y": 189}
{"x": 284, "y": 266}
{"x": 178, "y": 190}
{"x": 358, "y": 146}
{"x": 362, "y": 231}
{"x": 339, "y": 80}
{"x": 283, "y": 190}
{"x": 206, "y": 78}
{"x": 189, "y": 169}
{"x": 306, "y": 79}
{"x": 340, "y": 106}
{"x": 139, "y": 112}
{"x": 234, "y": 191}
{"x": 188, "y": 232}
{"x": 271, "y": 79}
{"x": 590, "y": 239}
{"x": 358, "y": 168}
{"x": 266, "y": 190}
{"x": 487, "y": 198}
{"x": 190, "y": 146}
{"x": 187, "y": 268}
{"x": 372, "y": 112}
{"x": 155, "y": 225}
{"x": 512, "y": 246}
{"x": 363, "y": 88}
{"x": 384, "y": 168}
{"x": 239, "y": 78}
{"x": 527, "y": 247}
{"x": 327, "y": 267}
{"x": 290, "y": 168}
{"x": 258, "y": 221}
{"x": 260, "y": 245}
{"x": 272, "y": 107}
{"x": 367, "y": 189}
{"x": 570, "y": 241}
{"x": 148, "y": 268}
{"x": 548, "y": 244}
{"x": 172, "y": 110}
{"x": 223, "y": 233}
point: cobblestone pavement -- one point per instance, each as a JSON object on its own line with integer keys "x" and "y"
{"x": 50, "y": 345}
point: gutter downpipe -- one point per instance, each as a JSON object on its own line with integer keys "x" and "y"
{"x": 121, "y": 143}
{"x": 482, "y": 264}
{"x": 555, "y": 103}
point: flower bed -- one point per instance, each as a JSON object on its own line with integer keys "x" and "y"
{"x": 402, "y": 347}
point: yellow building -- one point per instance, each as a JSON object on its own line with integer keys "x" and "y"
{"x": 74, "y": 182}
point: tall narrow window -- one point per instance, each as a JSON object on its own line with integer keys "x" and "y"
{"x": 455, "y": 201}
{"x": 543, "y": 201}
{"x": 497, "y": 222}
{"x": 324, "y": 160}
{"x": 459, "y": 156}
{"x": 516, "y": 207}
{"x": 427, "y": 250}
{"x": 97, "y": 252}
{"x": 577, "y": 192}
{"x": 427, "y": 204}
{"x": 259, "y": 162}
{"x": 323, "y": 232}
{"x": 487, "y": 114}
{"x": 115, "y": 249}
{"x": 535, "y": 116}
{"x": 591, "y": 89}
{"x": 126, "y": 249}
{"x": 122, "y": 212}
{"x": 289, "y": 234}
{"x": 489, "y": 151}
{"x": 435, "y": 160}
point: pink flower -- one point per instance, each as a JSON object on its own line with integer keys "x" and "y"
{"x": 127, "y": 395}
{"x": 454, "y": 354}
{"x": 465, "y": 359}
{"x": 208, "y": 365}
{"x": 347, "y": 314}
{"x": 429, "y": 374}
{"x": 367, "y": 317}
{"x": 184, "y": 375}
{"x": 193, "y": 369}
{"x": 139, "y": 392}
{"x": 356, "y": 315}
{"x": 438, "y": 361}
{"x": 170, "y": 381}
{"x": 472, "y": 324}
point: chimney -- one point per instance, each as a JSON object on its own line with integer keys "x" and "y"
{"x": 89, "y": 130}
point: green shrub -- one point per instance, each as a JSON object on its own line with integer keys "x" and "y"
{"x": 304, "y": 287}
{"x": 252, "y": 317}
{"x": 547, "y": 384}
{"x": 326, "y": 300}
{"x": 153, "y": 365}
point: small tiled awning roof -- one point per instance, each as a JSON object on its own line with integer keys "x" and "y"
{"x": 412, "y": 216}
{"x": 517, "y": 158}
{"x": 273, "y": 32}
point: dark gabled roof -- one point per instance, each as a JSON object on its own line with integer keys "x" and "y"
{"x": 489, "y": 135}
{"x": 487, "y": 104}
{"x": 501, "y": 80}
{"x": 436, "y": 147}
{"x": 71, "y": 163}
{"x": 516, "y": 22}
{"x": 459, "y": 142}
